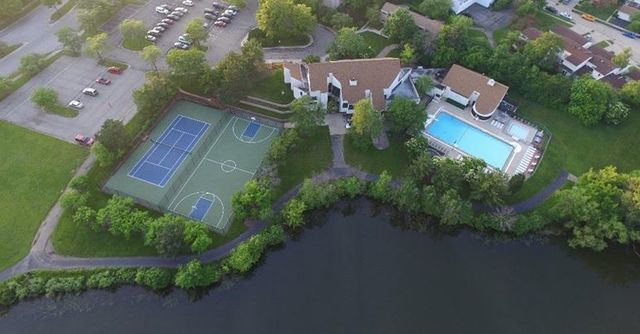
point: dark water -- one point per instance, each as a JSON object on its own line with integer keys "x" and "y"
{"x": 359, "y": 274}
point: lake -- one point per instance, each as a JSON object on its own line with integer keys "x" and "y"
{"x": 358, "y": 273}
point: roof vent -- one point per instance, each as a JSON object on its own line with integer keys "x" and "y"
{"x": 353, "y": 82}
{"x": 491, "y": 82}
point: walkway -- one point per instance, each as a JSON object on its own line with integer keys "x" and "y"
{"x": 42, "y": 254}
{"x": 322, "y": 38}
{"x": 384, "y": 52}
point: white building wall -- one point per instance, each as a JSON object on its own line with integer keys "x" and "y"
{"x": 331, "y": 3}
{"x": 449, "y": 94}
{"x": 624, "y": 16}
{"x": 460, "y": 5}
{"x": 287, "y": 75}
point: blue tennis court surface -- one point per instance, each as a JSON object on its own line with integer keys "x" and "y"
{"x": 251, "y": 130}
{"x": 164, "y": 157}
{"x": 200, "y": 209}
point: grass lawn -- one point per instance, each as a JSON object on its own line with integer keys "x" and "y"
{"x": 273, "y": 88}
{"x": 136, "y": 44}
{"x": 27, "y": 6}
{"x": 35, "y": 169}
{"x": 395, "y": 53}
{"x": 269, "y": 42}
{"x": 395, "y": 159}
{"x": 578, "y": 148}
{"x": 62, "y": 10}
{"x": 62, "y": 111}
{"x": 6, "y": 49}
{"x": 19, "y": 79}
{"x": 376, "y": 42}
{"x": 311, "y": 156}
{"x": 479, "y": 38}
{"x": 500, "y": 34}
{"x": 264, "y": 111}
{"x": 601, "y": 12}
{"x": 546, "y": 21}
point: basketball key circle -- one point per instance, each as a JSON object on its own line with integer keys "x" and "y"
{"x": 228, "y": 166}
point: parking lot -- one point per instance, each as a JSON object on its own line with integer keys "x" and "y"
{"x": 69, "y": 76}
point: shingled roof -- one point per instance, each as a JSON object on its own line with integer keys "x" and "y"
{"x": 425, "y": 23}
{"x": 465, "y": 81}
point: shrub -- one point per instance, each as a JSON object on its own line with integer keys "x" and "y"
{"x": 281, "y": 146}
{"x": 87, "y": 216}
{"x": 196, "y": 235}
{"x": 273, "y": 235}
{"x": 516, "y": 182}
{"x": 166, "y": 234}
{"x": 7, "y": 294}
{"x": 195, "y": 275}
{"x": 59, "y": 285}
{"x": 417, "y": 146}
{"x": 73, "y": 199}
{"x": 80, "y": 183}
{"x": 254, "y": 201}
{"x": 154, "y": 278}
{"x": 293, "y": 213}
{"x": 380, "y": 189}
{"x": 350, "y": 187}
{"x": 502, "y": 4}
{"x": 102, "y": 280}
{"x": 244, "y": 257}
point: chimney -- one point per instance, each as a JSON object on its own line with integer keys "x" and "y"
{"x": 491, "y": 82}
{"x": 353, "y": 82}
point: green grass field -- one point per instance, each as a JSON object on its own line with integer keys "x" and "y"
{"x": 35, "y": 170}
{"x": 395, "y": 159}
{"x": 273, "y": 88}
{"x": 375, "y": 41}
{"x": 578, "y": 148}
{"x": 311, "y": 156}
{"x": 601, "y": 12}
{"x": 546, "y": 21}
{"x": 136, "y": 44}
{"x": 268, "y": 42}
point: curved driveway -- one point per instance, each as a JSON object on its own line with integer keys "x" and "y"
{"x": 322, "y": 38}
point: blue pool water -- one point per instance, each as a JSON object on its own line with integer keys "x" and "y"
{"x": 518, "y": 131}
{"x": 470, "y": 139}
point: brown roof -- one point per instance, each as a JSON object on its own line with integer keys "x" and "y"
{"x": 634, "y": 74}
{"x": 294, "y": 68}
{"x": 578, "y": 54}
{"x": 421, "y": 21}
{"x": 616, "y": 81}
{"x": 570, "y": 34}
{"x": 628, "y": 9}
{"x": 371, "y": 74}
{"x": 601, "y": 52}
{"x": 531, "y": 33}
{"x": 465, "y": 82}
{"x": 603, "y": 65}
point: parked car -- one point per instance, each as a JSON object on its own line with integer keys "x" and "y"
{"x": 177, "y": 13}
{"x": 154, "y": 33}
{"x": 220, "y": 23}
{"x": 165, "y": 6}
{"x": 210, "y": 11}
{"x": 566, "y": 15}
{"x": 181, "y": 9}
{"x": 630, "y": 35}
{"x": 210, "y": 16}
{"x": 162, "y": 24}
{"x": 162, "y": 10}
{"x": 173, "y": 17}
{"x": 217, "y": 5}
{"x": 151, "y": 38}
{"x": 180, "y": 45}
{"x": 84, "y": 140}
{"x": 233, "y": 7}
{"x": 224, "y": 19}
{"x": 90, "y": 91}
{"x": 225, "y": 14}
{"x": 188, "y": 3}
{"x": 184, "y": 39}
{"x": 234, "y": 12}
{"x": 159, "y": 28}
{"x": 551, "y": 9}
{"x": 103, "y": 81}
{"x": 114, "y": 70}
{"x": 76, "y": 104}
{"x": 588, "y": 17}
{"x": 206, "y": 24}
{"x": 168, "y": 21}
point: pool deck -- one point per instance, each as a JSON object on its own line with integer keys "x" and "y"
{"x": 523, "y": 153}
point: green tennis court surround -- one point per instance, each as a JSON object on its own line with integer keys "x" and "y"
{"x": 228, "y": 154}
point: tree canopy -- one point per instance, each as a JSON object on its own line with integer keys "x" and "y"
{"x": 306, "y": 114}
{"x": 406, "y": 116}
{"x": 400, "y": 27}
{"x": 133, "y": 30}
{"x": 436, "y": 9}
{"x": 97, "y": 45}
{"x": 349, "y": 44}
{"x": 590, "y": 100}
{"x": 45, "y": 97}
{"x": 284, "y": 18}
{"x": 70, "y": 39}
{"x": 151, "y": 54}
{"x": 367, "y": 122}
{"x": 197, "y": 32}
{"x": 113, "y": 135}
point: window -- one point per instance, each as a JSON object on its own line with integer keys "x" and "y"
{"x": 314, "y": 98}
{"x": 345, "y": 104}
{"x": 351, "y": 107}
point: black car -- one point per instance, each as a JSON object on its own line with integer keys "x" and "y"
{"x": 210, "y": 16}
{"x": 217, "y": 5}
{"x": 210, "y": 11}
{"x": 229, "y": 15}
{"x": 551, "y": 9}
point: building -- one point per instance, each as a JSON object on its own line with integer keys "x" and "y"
{"x": 460, "y": 5}
{"x": 627, "y": 11}
{"x": 467, "y": 87}
{"x": 349, "y": 81}
{"x": 425, "y": 24}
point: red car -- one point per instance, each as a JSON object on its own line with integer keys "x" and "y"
{"x": 83, "y": 140}
{"x": 220, "y": 24}
{"x": 114, "y": 70}
{"x": 103, "y": 81}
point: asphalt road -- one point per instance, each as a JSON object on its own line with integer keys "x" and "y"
{"x": 36, "y": 35}
{"x": 68, "y": 76}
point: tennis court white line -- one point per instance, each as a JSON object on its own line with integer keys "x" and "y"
{"x": 235, "y": 168}
{"x": 153, "y": 148}
{"x": 200, "y": 163}
{"x": 182, "y": 158}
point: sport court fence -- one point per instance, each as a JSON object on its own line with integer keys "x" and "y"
{"x": 264, "y": 119}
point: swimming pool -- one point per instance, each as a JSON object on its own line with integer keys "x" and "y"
{"x": 518, "y": 131}
{"x": 470, "y": 140}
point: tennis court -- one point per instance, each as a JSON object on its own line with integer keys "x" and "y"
{"x": 193, "y": 163}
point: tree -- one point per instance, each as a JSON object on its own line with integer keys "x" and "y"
{"x": 341, "y": 20}
{"x": 197, "y": 32}
{"x": 306, "y": 114}
{"x": 73, "y": 199}
{"x": 405, "y": 197}
{"x": 154, "y": 94}
{"x": 417, "y": 146}
{"x": 51, "y": 3}
{"x": 151, "y": 54}
{"x": 187, "y": 67}
{"x": 400, "y": 27}
{"x": 154, "y": 278}
{"x": 32, "y": 63}
{"x": 92, "y": 14}
{"x": 502, "y": 4}
{"x": 622, "y": 59}
{"x": 630, "y": 92}
{"x": 166, "y": 235}
{"x": 424, "y": 85}
{"x": 407, "y": 55}
{"x": 453, "y": 41}
{"x": 11, "y": 8}
{"x": 113, "y": 135}
{"x": 616, "y": 113}
{"x": 349, "y": 45}
{"x": 280, "y": 19}
{"x": 527, "y": 8}
{"x": 406, "y": 116}
{"x": 45, "y": 98}
{"x": 196, "y": 235}
{"x": 367, "y": 122}
{"x": 103, "y": 155}
{"x": 589, "y": 100}
{"x": 293, "y": 213}
{"x": 254, "y": 201}
{"x": 70, "y": 39}
{"x": 120, "y": 218}
{"x": 232, "y": 70}
{"x": 544, "y": 50}
{"x": 453, "y": 209}
{"x": 97, "y": 45}
{"x": 634, "y": 25}
{"x": 133, "y": 30}
{"x": 436, "y": 9}
{"x": 196, "y": 275}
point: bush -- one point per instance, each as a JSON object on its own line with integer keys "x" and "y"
{"x": 380, "y": 189}
{"x": 293, "y": 213}
{"x": 196, "y": 235}
{"x": 281, "y": 146}
{"x": 7, "y": 294}
{"x": 196, "y": 275}
{"x": 502, "y": 4}
{"x": 515, "y": 183}
{"x": 154, "y": 278}
{"x": 80, "y": 183}
{"x": 86, "y": 216}
{"x": 244, "y": 257}
{"x": 59, "y": 285}
{"x": 73, "y": 199}
{"x": 101, "y": 280}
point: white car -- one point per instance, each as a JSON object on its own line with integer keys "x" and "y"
{"x": 162, "y": 10}
{"x": 187, "y": 3}
{"x": 151, "y": 38}
{"x": 566, "y": 15}
{"x": 184, "y": 39}
{"x": 181, "y": 9}
{"x": 76, "y": 104}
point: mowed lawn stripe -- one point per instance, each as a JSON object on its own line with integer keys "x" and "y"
{"x": 34, "y": 170}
